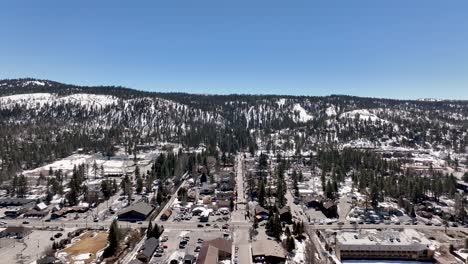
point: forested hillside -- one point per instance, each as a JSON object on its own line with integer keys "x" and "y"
{"x": 43, "y": 120}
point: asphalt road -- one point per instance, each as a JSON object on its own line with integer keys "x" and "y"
{"x": 239, "y": 224}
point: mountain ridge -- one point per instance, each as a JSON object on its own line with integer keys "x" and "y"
{"x": 54, "y": 84}
{"x": 42, "y": 120}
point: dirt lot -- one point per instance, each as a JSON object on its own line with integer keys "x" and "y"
{"x": 85, "y": 249}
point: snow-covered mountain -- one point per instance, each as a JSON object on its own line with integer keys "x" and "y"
{"x": 106, "y": 115}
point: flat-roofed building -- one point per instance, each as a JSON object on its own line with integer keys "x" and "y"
{"x": 389, "y": 244}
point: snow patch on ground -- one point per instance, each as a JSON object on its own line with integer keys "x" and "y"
{"x": 28, "y": 100}
{"x": 303, "y": 115}
{"x": 299, "y": 257}
{"x": 35, "y": 100}
{"x": 38, "y": 83}
{"x": 363, "y": 114}
{"x": 359, "y": 143}
{"x": 83, "y": 256}
{"x": 330, "y": 111}
{"x": 65, "y": 164}
{"x": 281, "y": 102}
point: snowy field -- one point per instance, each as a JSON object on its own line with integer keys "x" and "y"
{"x": 40, "y": 99}
{"x": 65, "y": 164}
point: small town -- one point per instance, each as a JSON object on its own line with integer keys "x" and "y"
{"x": 166, "y": 204}
{"x": 234, "y": 132}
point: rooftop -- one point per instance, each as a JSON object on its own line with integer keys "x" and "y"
{"x": 141, "y": 207}
{"x": 268, "y": 248}
{"x": 388, "y": 239}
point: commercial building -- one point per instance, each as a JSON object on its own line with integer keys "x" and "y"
{"x": 214, "y": 251}
{"x": 16, "y": 202}
{"x": 15, "y": 232}
{"x": 268, "y": 251}
{"x": 136, "y": 212}
{"x": 148, "y": 249}
{"x": 407, "y": 244}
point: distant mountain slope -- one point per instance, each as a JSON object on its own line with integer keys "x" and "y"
{"x": 42, "y": 119}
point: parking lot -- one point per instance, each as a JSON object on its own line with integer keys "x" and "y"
{"x": 174, "y": 249}
{"x": 29, "y": 248}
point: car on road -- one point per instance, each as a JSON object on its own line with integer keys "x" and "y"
{"x": 25, "y": 222}
{"x": 197, "y": 249}
{"x": 225, "y": 226}
{"x": 200, "y": 240}
{"x": 200, "y": 225}
{"x": 58, "y": 235}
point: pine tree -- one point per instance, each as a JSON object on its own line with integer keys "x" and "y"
{"x": 106, "y": 189}
{"x": 156, "y": 232}
{"x": 149, "y": 231}
{"x": 290, "y": 244}
{"x": 465, "y": 177}
{"x": 139, "y": 184}
{"x": 261, "y": 193}
{"x": 113, "y": 239}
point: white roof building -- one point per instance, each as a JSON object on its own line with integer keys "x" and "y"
{"x": 406, "y": 244}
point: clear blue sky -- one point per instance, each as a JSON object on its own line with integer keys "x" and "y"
{"x": 396, "y": 49}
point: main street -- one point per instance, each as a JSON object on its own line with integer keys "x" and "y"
{"x": 239, "y": 222}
